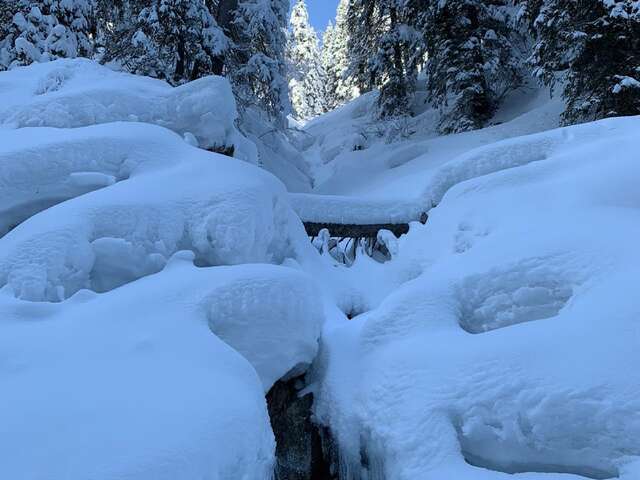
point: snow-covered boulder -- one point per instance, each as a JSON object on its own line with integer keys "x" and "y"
{"x": 45, "y": 166}
{"x": 271, "y": 316}
{"x": 130, "y": 348}
{"x": 225, "y": 211}
{"x": 71, "y": 93}
{"x": 516, "y": 350}
{"x": 131, "y": 384}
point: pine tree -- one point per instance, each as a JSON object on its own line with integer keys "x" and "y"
{"x": 340, "y": 87}
{"x": 472, "y": 60}
{"x": 176, "y": 40}
{"x": 306, "y": 76}
{"x": 258, "y": 68}
{"x": 74, "y": 29}
{"x": 8, "y": 8}
{"x": 46, "y": 30}
{"x": 24, "y": 39}
{"x": 386, "y": 48}
{"x": 593, "y": 47}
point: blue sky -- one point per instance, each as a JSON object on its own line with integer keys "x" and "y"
{"x": 320, "y": 12}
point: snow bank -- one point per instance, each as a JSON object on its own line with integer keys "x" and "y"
{"x": 516, "y": 349}
{"x": 355, "y": 155}
{"x": 73, "y": 93}
{"x": 517, "y": 152}
{"x": 129, "y": 349}
{"x": 45, "y": 166}
{"x": 272, "y": 317}
{"x": 226, "y": 211}
{"x": 133, "y": 384}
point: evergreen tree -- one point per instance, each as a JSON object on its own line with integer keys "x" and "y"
{"x": 258, "y": 68}
{"x": 45, "y": 30}
{"x": 73, "y": 28}
{"x": 472, "y": 60}
{"x": 340, "y": 87}
{"x": 386, "y": 48}
{"x": 23, "y": 39}
{"x": 306, "y": 76}
{"x": 176, "y": 40}
{"x": 8, "y": 8}
{"x": 593, "y": 46}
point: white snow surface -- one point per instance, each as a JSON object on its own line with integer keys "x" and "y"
{"x": 226, "y": 211}
{"x": 151, "y": 292}
{"x": 78, "y": 92}
{"x": 512, "y": 346}
{"x": 142, "y": 317}
{"x": 134, "y": 384}
{"x": 358, "y": 160}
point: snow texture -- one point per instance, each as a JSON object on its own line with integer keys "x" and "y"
{"x": 513, "y": 349}
{"x": 130, "y": 347}
{"x": 79, "y": 92}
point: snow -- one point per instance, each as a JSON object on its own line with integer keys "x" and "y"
{"x": 345, "y": 209}
{"x": 150, "y": 291}
{"x": 272, "y": 317}
{"x": 79, "y": 92}
{"x": 133, "y": 384}
{"x": 514, "y": 349}
{"x": 353, "y": 163}
{"x": 226, "y": 211}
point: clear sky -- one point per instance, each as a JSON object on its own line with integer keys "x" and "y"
{"x": 320, "y": 12}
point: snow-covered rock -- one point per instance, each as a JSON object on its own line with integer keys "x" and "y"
{"x": 272, "y": 317}
{"x": 133, "y": 383}
{"x": 227, "y": 212}
{"x": 515, "y": 350}
{"x": 129, "y": 347}
{"x": 45, "y": 166}
{"x": 73, "y": 93}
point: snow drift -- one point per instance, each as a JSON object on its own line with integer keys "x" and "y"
{"x": 515, "y": 350}
{"x": 130, "y": 347}
{"x": 133, "y": 383}
{"x": 79, "y": 92}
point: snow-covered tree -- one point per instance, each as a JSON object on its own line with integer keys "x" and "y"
{"x": 340, "y": 87}
{"x": 177, "y": 40}
{"x": 472, "y": 60}
{"x": 307, "y": 81}
{"x": 45, "y": 30}
{"x": 385, "y": 49}
{"x": 593, "y": 47}
{"x": 258, "y": 68}
{"x": 23, "y": 39}
{"x": 73, "y": 28}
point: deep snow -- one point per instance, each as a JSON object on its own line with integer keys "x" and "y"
{"x": 129, "y": 347}
{"x": 512, "y": 346}
{"x": 151, "y": 291}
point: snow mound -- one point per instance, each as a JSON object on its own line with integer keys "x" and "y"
{"x": 530, "y": 290}
{"x": 225, "y": 211}
{"x": 517, "y": 152}
{"x": 130, "y": 347}
{"x": 272, "y": 317}
{"x": 71, "y": 93}
{"x": 45, "y": 166}
{"x": 515, "y": 350}
{"x": 133, "y": 384}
